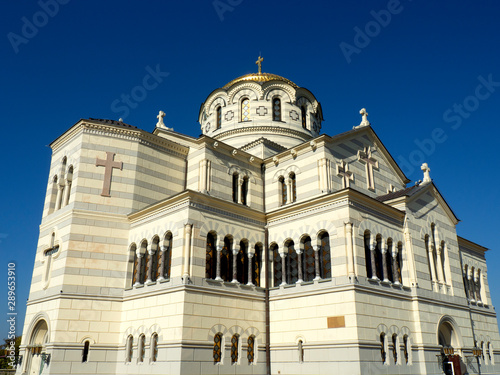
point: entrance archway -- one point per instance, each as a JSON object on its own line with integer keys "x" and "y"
{"x": 450, "y": 340}
{"x": 36, "y": 346}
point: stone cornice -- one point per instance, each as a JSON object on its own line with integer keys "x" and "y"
{"x": 260, "y": 129}
{"x": 143, "y": 137}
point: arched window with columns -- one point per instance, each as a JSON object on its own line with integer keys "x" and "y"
{"x": 235, "y": 344}
{"x": 383, "y": 346}
{"x": 166, "y": 257}
{"x": 211, "y": 257}
{"x": 134, "y": 259}
{"x": 226, "y": 259}
{"x": 293, "y": 187}
{"x": 144, "y": 268}
{"x": 307, "y": 259}
{"x": 378, "y": 258}
{"x": 277, "y": 265}
{"x": 325, "y": 256}
{"x": 62, "y": 184}
{"x": 67, "y": 189}
{"x": 282, "y": 191}
{"x": 368, "y": 255}
{"x": 242, "y": 263}
{"x": 389, "y": 260}
{"x": 154, "y": 347}
{"x": 303, "y": 113}
{"x": 291, "y": 262}
{"x": 256, "y": 264}
{"x": 141, "y": 350}
{"x": 155, "y": 258}
{"x": 251, "y": 349}
{"x": 395, "y": 348}
{"x": 129, "y": 348}
{"x": 244, "y": 191}
{"x": 235, "y": 187}
{"x": 217, "y": 352}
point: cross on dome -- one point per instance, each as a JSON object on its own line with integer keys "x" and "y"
{"x": 259, "y": 63}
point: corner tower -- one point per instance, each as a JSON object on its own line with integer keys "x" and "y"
{"x": 261, "y": 113}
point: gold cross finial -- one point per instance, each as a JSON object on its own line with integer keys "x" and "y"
{"x": 259, "y": 63}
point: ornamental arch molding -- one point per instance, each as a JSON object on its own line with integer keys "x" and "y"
{"x": 375, "y": 228}
{"x": 221, "y": 100}
{"x": 448, "y": 332}
{"x": 38, "y": 318}
{"x": 250, "y": 89}
{"x": 284, "y": 92}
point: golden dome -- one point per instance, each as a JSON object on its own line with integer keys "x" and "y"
{"x": 260, "y": 77}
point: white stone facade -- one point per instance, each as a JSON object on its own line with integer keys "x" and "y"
{"x": 262, "y": 246}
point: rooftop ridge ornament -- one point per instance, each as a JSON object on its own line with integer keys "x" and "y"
{"x": 427, "y": 177}
{"x": 160, "y": 123}
{"x": 259, "y": 63}
{"x": 364, "y": 119}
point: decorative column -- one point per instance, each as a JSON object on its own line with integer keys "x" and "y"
{"x": 395, "y": 272}
{"x": 217, "y": 268}
{"x": 317, "y": 249}
{"x": 138, "y": 271}
{"x": 202, "y": 185}
{"x": 472, "y": 289}
{"x": 439, "y": 265}
{"x": 235, "y": 269}
{"x": 283, "y": 268}
{"x": 430, "y": 248}
{"x": 67, "y": 191}
{"x": 188, "y": 227}
{"x": 477, "y": 284}
{"x": 289, "y": 191}
{"x": 240, "y": 189}
{"x": 299, "y": 264}
{"x": 250, "y": 260}
{"x": 150, "y": 263}
{"x": 349, "y": 249}
{"x": 373, "y": 246}
{"x": 161, "y": 266}
{"x": 384, "y": 261}
{"x": 60, "y": 189}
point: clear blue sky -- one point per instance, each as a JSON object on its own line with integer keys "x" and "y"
{"x": 415, "y": 65}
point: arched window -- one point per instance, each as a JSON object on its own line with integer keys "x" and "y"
{"x": 291, "y": 262}
{"x": 85, "y": 353}
{"x": 130, "y": 348}
{"x": 245, "y": 109}
{"x": 256, "y": 265}
{"x": 304, "y": 116}
{"x": 143, "y": 274}
{"x": 155, "y": 258}
{"x": 443, "y": 261}
{"x": 276, "y": 109}
{"x": 491, "y": 355}
{"x": 154, "y": 347}
{"x": 53, "y": 194}
{"x": 217, "y": 348}
{"x": 378, "y": 258}
{"x": 235, "y": 348}
{"x": 69, "y": 181}
{"x": 218, "y": 114}
{"x": 395, "y": 348}
{"x": 283, "y": 190}
{"x": 308, "y": 259}
{"x": 399, "y": 262}
{"x": 242, "y": 263}
{"x": 235, "y": 187}
{"x": 277, "y": 266}
{"x": 383, "y": 353}
{"x": 251, "y": 350}
{"x": 226, "y": 260}
{"x": 300, "y": 349}
{"x": 389, "y": 261}
{"x": 325, "y": 257}
{"x": 135, "y": 259}
{"x": 293, "y": 188}
{"x": 164, "y": 267}
{"x": 368, "y": 263}
{"x": 483, "y": 354}
{"x": 60, "y": 192}
{"x": 211, "y": 258}
{"x": 142, "y": 348}
{"x": 406, "y": 352}
{"x": 244, "y": 191}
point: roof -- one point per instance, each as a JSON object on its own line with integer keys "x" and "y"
{"x": 400, "y": 193}
{"x": 112, "y": 122}
{"x": 260, "y": 77}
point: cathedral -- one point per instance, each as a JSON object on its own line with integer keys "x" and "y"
{"x": 261, "y": 247}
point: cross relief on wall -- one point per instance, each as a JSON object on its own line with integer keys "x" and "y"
{"x": 371, "y": 163}
{"x": 108, "y": 165}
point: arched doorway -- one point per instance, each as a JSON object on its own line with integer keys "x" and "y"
{"x": 450, "y": 341}
{"x": 36, "y": 347}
